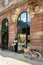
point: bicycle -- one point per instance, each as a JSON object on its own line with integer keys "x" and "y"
{"x": 32, "y": 54}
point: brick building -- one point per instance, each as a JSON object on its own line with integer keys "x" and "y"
{"x": 10, "y": 11}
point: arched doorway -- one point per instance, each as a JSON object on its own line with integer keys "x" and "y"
{"x": 23, "y": 30}
{"x": 4, "y": 34}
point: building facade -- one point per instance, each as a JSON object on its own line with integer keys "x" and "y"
{"x": 10, "y": 10}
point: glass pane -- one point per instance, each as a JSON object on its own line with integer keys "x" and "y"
{"x": 23, "y": 17}
{"x": 5, "y": 2}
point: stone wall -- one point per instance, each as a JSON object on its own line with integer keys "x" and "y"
{"x": 36, "y": 32}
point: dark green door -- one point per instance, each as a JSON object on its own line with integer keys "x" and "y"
{"x": 4, "y": 34}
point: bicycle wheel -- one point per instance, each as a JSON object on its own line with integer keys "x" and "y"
{"x": 26, "y": 55}
{"x": 37, "y": 56}
{"x": 25, "y": 52}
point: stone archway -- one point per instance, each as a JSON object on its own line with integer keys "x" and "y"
{"x": 20, "y": 10}
{"x": 23, "y": 30}
{"x": 4, "y": 34}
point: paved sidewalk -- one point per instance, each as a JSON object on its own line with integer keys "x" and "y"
{"x": 12, "y": 58}
{"x": 11, "y": 61}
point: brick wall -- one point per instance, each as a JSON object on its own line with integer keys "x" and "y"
{"x": 1, "y": 3}
{"x": 10, "y": 1}
{"x": 35, "y": 28}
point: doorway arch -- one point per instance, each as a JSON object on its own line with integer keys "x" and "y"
{"x": 23, "y": 29}
{"x": 4, "y": 34}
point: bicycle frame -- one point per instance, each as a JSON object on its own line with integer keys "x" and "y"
{"x": 34, "y": 54}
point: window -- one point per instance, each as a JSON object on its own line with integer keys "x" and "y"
{"x": 24, "y": 20}
{"x": 5, "y": 2}
{"x": 23, "y": 29}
